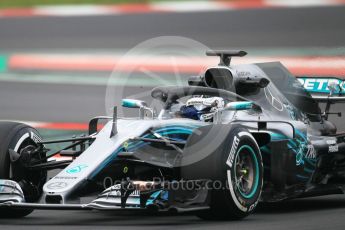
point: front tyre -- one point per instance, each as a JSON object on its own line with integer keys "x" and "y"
{"x": 23, "y": 140}
{"x": 237, "y": 166}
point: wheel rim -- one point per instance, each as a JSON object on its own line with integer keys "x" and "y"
{"x": 246, "y": 172}
{"x": 31, "y": 181}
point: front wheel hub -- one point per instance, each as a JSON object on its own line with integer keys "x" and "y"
{"x": 247, "y": 170}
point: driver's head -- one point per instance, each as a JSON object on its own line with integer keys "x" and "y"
{"x": 199, "y": 108}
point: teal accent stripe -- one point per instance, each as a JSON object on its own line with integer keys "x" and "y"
{"x": 106, "y": 162}
{"x": 176, "y": 132}
{"x": 308, "y": 170}
{"x": 302, "y": 177}
{"x": 153, "y": 197}
{"x": 242, "y": 105}
{"x": 3, "y": 63}
{"x": 277, "y": 136}
{"x": 177, "y": 129}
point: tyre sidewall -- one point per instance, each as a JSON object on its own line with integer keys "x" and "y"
{"x": 224, "y": 204}
{"x": 20, "y": 139}
{"x": 240, "y": 138}
{"x": 14, "y": 136}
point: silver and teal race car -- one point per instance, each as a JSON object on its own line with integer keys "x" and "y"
{"x": 235, "y": 136}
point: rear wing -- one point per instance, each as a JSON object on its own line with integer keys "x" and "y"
{"x": 325, "y": 89}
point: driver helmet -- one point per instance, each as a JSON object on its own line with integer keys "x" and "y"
{"x": 200, "y": 108}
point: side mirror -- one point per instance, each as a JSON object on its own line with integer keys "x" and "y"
{"x": 239, "y": 105}
{"x": 137, "y": 104}
{"x": 133, "y": 103}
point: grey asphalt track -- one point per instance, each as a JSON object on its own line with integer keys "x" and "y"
{"x": 312, "y": 213}
{"x": 45, "y": 102}
{"x": 307, "y": 27}
{"x": 58, "y": 102}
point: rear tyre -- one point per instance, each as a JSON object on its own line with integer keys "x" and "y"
{"x": 22, "y": 139}
{"x": 237, "y": 166}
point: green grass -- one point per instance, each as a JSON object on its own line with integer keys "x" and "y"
{"x": 29, "y": 3}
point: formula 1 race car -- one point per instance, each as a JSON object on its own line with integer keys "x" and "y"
{"x": 235, "y": 136}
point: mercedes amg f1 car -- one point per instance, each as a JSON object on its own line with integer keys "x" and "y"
{"x": 235, "y": 136}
